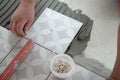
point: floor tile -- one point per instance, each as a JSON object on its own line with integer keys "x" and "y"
{"x": 35, "y": 66}
{"x": 80, "y": 74}
{"x": 7, "y": 41}
{"x": 54, "y": 30}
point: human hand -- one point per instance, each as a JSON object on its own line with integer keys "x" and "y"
{"x": 22, "y": 19}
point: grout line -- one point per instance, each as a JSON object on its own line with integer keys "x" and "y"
{"x": 42, "y": 46}
{"x": 48, "y": 76}
{"x": 10, "y": 50}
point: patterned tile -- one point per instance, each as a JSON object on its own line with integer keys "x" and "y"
{"x": 11, "y": 55}
{"x": 54, "y": 30}
{"x": 7, "y": 41}
{"x": 36, "y": 64}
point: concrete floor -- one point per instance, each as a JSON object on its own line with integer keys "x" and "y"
{"x": 103, "y": 44}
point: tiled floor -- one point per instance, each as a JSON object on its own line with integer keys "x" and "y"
{"x": 36, "y": 66}
{"x": 105, "y": 16}
{"x": 8, "y": 41}
{"x": 48, "y": 32}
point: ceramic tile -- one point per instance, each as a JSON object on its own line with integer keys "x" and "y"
{"x": 54, "y": 30}
{"x": 7, "y": 41}
{"x": 80, "y": 74}
{"x": 11, "y": 55}
{"x": 36, "y": 64}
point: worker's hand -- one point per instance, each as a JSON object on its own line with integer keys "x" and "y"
{"x": 22, "y": 19}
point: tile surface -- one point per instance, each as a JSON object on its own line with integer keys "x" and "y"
{"x": 7, "y": 41}
{"x": 36, "y": 64}
{"x": 36, "y": 67}
{"x": 80, "y": 74}
{"x": 54, "y": 30}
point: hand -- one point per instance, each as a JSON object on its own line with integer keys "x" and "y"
{"x": 22, "y": 19}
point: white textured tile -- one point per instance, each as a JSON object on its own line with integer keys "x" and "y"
{"x": 36, "y": 64}
{"x": 12, "y": 54}
{"x": 7, "y": 41}
{"x": 80, "y": 74}
{"x": 54, "y": 30}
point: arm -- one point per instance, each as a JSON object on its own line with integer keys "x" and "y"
{"x": 23, "y": 17}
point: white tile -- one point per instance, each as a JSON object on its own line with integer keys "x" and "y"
{"x": 80, "y": 74}
{"x": 36, "y": 64}
{"x": 54, "y": 30}
{"x": 12, "y": 54}
{"x": 7, "y": 41}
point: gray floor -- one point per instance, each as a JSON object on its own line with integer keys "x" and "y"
{"x": 105, "y": 13}
{"x": 104, "y": 34}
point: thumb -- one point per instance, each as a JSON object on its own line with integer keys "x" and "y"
{"x": 27, "y": 26}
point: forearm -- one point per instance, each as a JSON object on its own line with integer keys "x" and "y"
{"x": 116, "y": 71}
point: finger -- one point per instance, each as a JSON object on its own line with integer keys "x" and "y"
{"x": 27, "y": 26}
{"x": 12, "y": 26}
{"x": 19, "y": 28}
